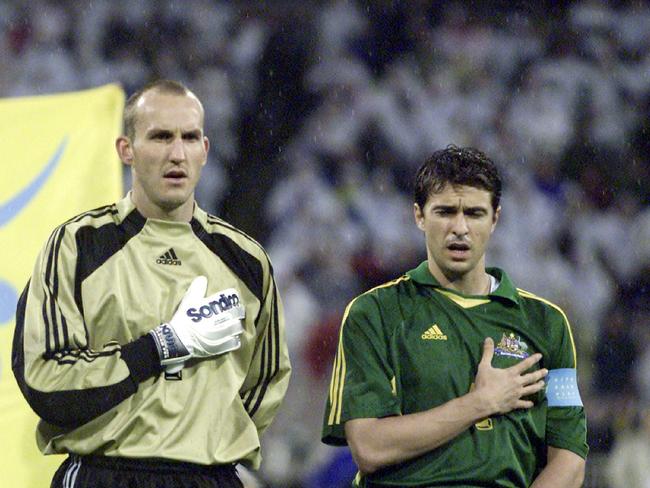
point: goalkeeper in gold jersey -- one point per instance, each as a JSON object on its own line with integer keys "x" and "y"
{"x": 450, "y": 375}
{"x": 150, "y": 337}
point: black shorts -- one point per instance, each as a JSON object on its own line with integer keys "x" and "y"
{"x": 112, "y": 472}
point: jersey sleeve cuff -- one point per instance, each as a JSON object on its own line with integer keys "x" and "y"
{"x": 141, "y": 356}
{"x": 581, "y": 449}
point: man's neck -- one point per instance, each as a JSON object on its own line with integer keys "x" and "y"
{"x": 474, "y": 282}
{"x": 182, "y": 213}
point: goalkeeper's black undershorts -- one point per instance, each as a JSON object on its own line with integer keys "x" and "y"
{"x": 113, "y": 472}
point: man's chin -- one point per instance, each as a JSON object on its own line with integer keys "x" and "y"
{"x": 170, "y": 205}
{"x": 174, "y": 199}
{"x": 458, "y": 269}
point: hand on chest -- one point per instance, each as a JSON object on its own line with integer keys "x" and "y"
{"x": 147, "y": 285}
{"x": 437, "y": 351}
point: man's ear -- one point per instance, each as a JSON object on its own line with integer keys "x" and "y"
{"x": 206, "y": 146}
{"x": 124, "y": 149}
{"x": 418, "y": 213}
{"x": 495, "y": 219}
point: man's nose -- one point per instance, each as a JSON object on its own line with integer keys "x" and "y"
{"x": 177, "y": 151}
{"x": 459, "y": 225}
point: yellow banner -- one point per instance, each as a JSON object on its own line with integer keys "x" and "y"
{"x": 59, "y": 160}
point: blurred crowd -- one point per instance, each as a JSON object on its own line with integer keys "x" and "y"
{"x": 319, "y": 113}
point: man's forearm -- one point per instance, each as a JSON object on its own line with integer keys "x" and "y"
{"x": 565, "y": 469}
{"x": 376, "y": 443}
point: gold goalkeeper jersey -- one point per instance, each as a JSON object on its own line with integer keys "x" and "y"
{"x": 86, "y": 365}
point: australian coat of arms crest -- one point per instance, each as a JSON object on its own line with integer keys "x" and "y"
{"x": 512, "y": 346}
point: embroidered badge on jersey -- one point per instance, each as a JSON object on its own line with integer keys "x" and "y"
{"x": 511, "y": 346}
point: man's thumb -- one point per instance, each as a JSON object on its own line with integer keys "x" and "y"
{"x": 488, "y": 350}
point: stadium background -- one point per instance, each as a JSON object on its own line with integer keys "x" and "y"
{"x": 320, "y": 111}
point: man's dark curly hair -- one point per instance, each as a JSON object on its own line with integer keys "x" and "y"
{"x": 457, "y": 166}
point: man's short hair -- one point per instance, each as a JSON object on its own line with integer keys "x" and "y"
{"x": 457, "y": 166}
{"x": 164, "y": 86}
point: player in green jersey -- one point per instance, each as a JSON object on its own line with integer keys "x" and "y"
{"x": 449, "y": 375}
{"x": 150, "y": 337}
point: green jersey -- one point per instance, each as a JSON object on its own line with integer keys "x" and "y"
{"x": 85, "y": 363}
{"x": 410, "y": 345}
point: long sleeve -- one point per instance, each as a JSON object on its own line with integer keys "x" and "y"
{"x": 66, "y": 378}
{"x": 268, "y": 376}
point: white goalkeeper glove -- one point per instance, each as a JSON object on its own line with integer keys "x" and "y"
{"x": 201, "y": 326}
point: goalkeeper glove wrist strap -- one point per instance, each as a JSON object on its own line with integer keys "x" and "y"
{"x": 170, "y": 347}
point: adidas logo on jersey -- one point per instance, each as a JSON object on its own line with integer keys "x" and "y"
{"x": 434, "y": 333}
{"x": 169, "y": 257}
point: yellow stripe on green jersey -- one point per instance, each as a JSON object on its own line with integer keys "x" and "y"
{"x": 338, "y": 374}
{"x": 527, "y": 294}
